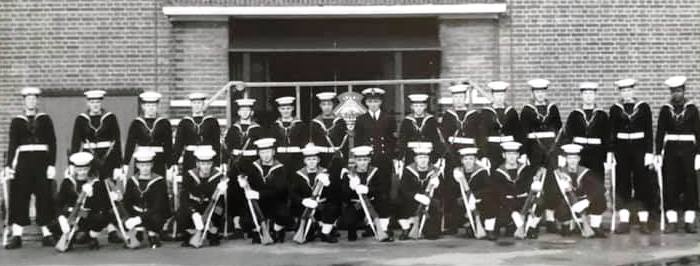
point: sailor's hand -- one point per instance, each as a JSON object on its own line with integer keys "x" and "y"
{"x": 309, "y": 203}
{"x": 422, "y": 199}
{"x": 87, "y": 188}
{"x": 242, "y": 181}
{"x": 361, "y": 189}
{"x": 324, "y": 179}
{"x": 252, "y": 194}
{"x": 648, "y": 159}
{"x": 50, "y": 172}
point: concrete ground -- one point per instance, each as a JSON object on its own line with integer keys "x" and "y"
{"x": 631, "y": 249}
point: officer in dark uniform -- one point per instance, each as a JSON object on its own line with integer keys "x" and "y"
{"x": 364, "y": 178}
{"x": 478, "y": 179}
{"x": 146, "y": 198}
{"x": 419, "y": 126}
{"x": 199, "y": 185}
{"x": 377, "y": 128}
{"x": 420, "y": 186}
{"x": 541, "y": 123}
{"x": 588, "y": 126}
{"x": 677, "y": 139}
{"x": 268, "y": 181}
{"x": 150, "y": 132}
{"x": 499, "y": 123}
{"x": 193, "y": 132}
{"x": 631, "y": 141}
{"x": 329, "y": 134}
{"x": 97, "y": 131}
{"x": 291, "y": 134}
{"x": 301, "y": 188}
{"x": 30, "y": 164}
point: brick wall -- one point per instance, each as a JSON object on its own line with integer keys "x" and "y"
{"x": 317, "y": 2}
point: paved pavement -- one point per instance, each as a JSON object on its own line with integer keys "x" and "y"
{"x": 548, "y": 250}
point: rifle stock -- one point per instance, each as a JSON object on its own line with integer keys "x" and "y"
{"x": 581, "y": 223}
{"x": 422, "y": 213}
{"x": 119, "y": 211}
{"x": 197, "y": 239}
{"x": 63, "y": 243}
{"x": 259, "y": 220}
{"x": 307, "y": 216}
{"x": 474, "y": 217}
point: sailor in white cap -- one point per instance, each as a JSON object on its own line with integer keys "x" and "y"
{"x": 540, "y": 122}
{"x": 584, "y": 191}
{"x": 199, "y": 185}
{"x": 194, "y": 131}
{"x": 146, "y": 198}
{"x": 467, "y": 175}
{"x": 365, "y": 178}
{"x": 632, "y": 145}
{"x": 30, "y": 168}
{"x": 329, "y": 134}
{"x": 241, "y": 136}
{"x": 150, "y": 131}
{"x": 418, "y": 186}
{"x": 97, "y": 131}
{"x": 677, "y": 138}
{"x": 303, "y": 194}
{"x": 377, "y": 128}
{"x": 291, "y": 134}
{"x": 502, "y": 122}
{"x": 419, "y": 125}
{"x": 266, "y": 179}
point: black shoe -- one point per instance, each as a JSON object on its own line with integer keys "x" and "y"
{"x": 48, "y": 241}
{"x": 469, "y": 233}
{"x": 690, "y": 228}
{"x": 329, "y": 238}
{"x": 335, "y": 233}
{"x": 510, "y": 230}
{"x": 14, "y": 243}
{"x": 92, "y": 243}
{"x": 254, "y": 237}
{"x": 551, "y": 227}
{"x": 565, "y": 230}
{"x": 671, "y": 228}
{"x": 81, "y": 238}
{"x": 404, "y": 235}
{"x": 599, "y": 233}
{"x": 492, "y": 235}
{"x": 114, "y": 238}
{"x": 352, "y": 235}
{"x": 185, "y": 244}
{"x": 622, "y": 228}
{"x": 155, "y": 241}
{"x": 236, "y": 234}
{"x": 533, "y": 233}
{"x": 644, "y": 228}
{"x": 450, "y": 231}
{"x": 214, "y": 240}
{"x": 278, "y": 236}
{"x": 367, "y": 233}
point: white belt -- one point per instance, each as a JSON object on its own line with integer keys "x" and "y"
{"x": 33, "y": 147}
{"x": 139, "y": 209}
{"x": 461, "y": 140}
{"x": 541, "y": 135}
{"x": 192, "y": 148}
{"x": 679, "y": 137}
{"x": 323, "y": 149}
{"x": 500, "y": 139}
{"x": 635, "y": 135}
{"x": 154, "y": 149}
{"x": 516, "y": 196}
{"x": 289, "y": 149}
{"x": 591, "y": 141}
{"x": 97, "y": 145}
{"x": 237, "y": 152}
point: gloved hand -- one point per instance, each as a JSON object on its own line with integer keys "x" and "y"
{"x": 242, "y": 181}
{"x": 132, "y": 222}
{"x": 50, "y": 172}
{"x": 87, "y": 188}
{"x": 458, "y": 175}
{"x": 517, "y": 218}
{"x": 362, "y": 189}
{"x": 125, "y": 170}
{"x": 536, "y": 186}
{"x": 116, "y": 196}
{"x": 354, "y": 181}
{"x": 63, "y": 224}
{"x": 309, "y": 203}
{"x": 648, "y": 159}
{"x": 561, "y": 161}
{"x": 252, "y": 194}
{"x": 697, "y": 162}
{"x": 422, "y": 199}
{"x": 197, "y": 220}
{"x": 581, "y": 205}
{"x": 471, "y": 203}
{"x": 9, "y": 173}
{"x": 523, "y": 159}
{"x": 485, "y": 163}
{"x": 117, "y": 174}
{"x": 222, "y": 186}
{"x": 434, "y": 182}
{"x": 324, "y": 179}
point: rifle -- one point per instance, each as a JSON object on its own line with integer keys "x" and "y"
{"x": 530, "y": 205}
{"x": 422, "y": 211}
{"x": 175, "y": 178}
{"x": 370, "y": 214}
{"x": 581, "y": 223}
{"x": 259, "y": 220}
{"x": 473, "y": 215}
{"x": 660, "y": 179}
{"x": 307, "y": 217}
{"x": 197, "y": 239}
{"x": 64, "y": 242}
{"x": 120, "y": 215}
{"x": 613, "y": 195}
{"x": 6, "y": 205}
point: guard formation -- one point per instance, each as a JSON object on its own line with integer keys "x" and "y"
{"x": 482, "y": 172}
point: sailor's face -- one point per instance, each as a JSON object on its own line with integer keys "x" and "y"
{"x": 197, "y": 106}
{"x": 81, "y": 172}
{"x": 311, "y": 162}
{"x": 677, "y": 94}
{"x": 144, "y": 167}
{"x": 419, "y": 108}
{"x": 149, "y": 109}
{"x": 244, "y": 112}
{"x": 326, "y": 107}
{"x": 362, "y": 162}
{"x": 374, "y": 104}
{"x": 266, "y": 155}
{"x": 627, "y": 93}
{"x": 285, "y": 111}
{"x": 511, "y": 157}
{"x": 30, "y": 102}
{"x": 499, "y": 98}
{"x": 588, "y": 96}
{"x": 459, "y": 99}
{"x": 422, "y": 160}
{"x": 572, "y": 160}
{"x": 468, "y": 161}
{"x": 204, "y": 167}
{"x": 540, "y": 95}
{"x": 94, "y": 105}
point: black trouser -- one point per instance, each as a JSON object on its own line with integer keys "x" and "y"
{"x": 112, "y": 161}
{"x": 635, "y": 183}
{"x": 450, "y": 199}
{"x": 30, "y": 179}
{"x": 593, "y": 157}
{"x": 276, "y": 212}
{"x": 152, "y": 222}
{"x": 541, "y": 154}
{"x": 680, "y": 180}
{"x": 183, "y": 217}
{"x": 432, "y": 226}
{"x": 353, "y": 216}
{"x": 596, "y": 207}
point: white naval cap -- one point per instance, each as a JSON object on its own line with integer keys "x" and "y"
{"x": 245, "y": 102}
{"x": 511, "y": 146}
{"x": 418, "y": 98}
{"x": 95, "y": 94}
{"x": 310, "y": 150}
{"x": 373, "y": 92}
{"x": 204, "y": 153}
{"x": 498, "y": 86}
{"x": 468, "y": 151}
{"x": 676, "y": 81}
{"x": 81, "y": 158}
{"x": 459, "y": 88}
{"x": 445, "y": 101}
{"x": 197, "y": 96}
{"x": 326, "y": 96}
{"x": 265, "y": 143}
{"x": 420, "y": 147}
{"x": 30, "y": 91}
{"x": 592, "y": 86}
{"x": 361, "y": 151}
{"x": 150, "y": 97}
{"x": 144, "y": 155}
{"x": 538, "y": 84}
{"x": 625, "y": 83}
{"x": 571, "y": 148}
{"x": 285, "y": 100}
